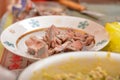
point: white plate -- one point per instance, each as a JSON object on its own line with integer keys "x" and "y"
{"x": 42, "y": 64}
{"x": 10, "y": 37}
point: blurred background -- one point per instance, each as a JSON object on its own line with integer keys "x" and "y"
{"x": 4, "y": 4}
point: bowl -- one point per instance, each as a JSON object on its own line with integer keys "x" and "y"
{"x": 80, "y": 61}
{"x": 13, "y": 38}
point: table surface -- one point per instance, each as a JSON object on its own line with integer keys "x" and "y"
{"x": 111, "y": 12}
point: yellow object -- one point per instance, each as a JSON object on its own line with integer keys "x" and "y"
{"x": 9, "y": 21}
{"x": 114, "y": 32}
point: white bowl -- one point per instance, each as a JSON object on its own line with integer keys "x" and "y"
{"x": 39, "y": 65}
{"x": 13, "y": 38}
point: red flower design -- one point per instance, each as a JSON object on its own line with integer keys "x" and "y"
{"x": 14, "y": 66}
{"x": 16, "y": 58}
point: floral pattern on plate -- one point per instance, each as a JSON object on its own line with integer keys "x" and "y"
{"x": 83, "y": 24}
{"x": 9, "y": 44}
{"x": 34, "y": 23}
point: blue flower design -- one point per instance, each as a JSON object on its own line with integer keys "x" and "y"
{"x": 83, "y": 24}
{"x": 34, "y": 23}
{"x": 9, "y": 44}
{"x": 101, "y": 42}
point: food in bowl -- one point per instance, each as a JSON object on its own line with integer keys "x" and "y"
{"x": 58, "y": 40}
{"x": 94, "y": 74}
{"x": 80, "y": 68}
